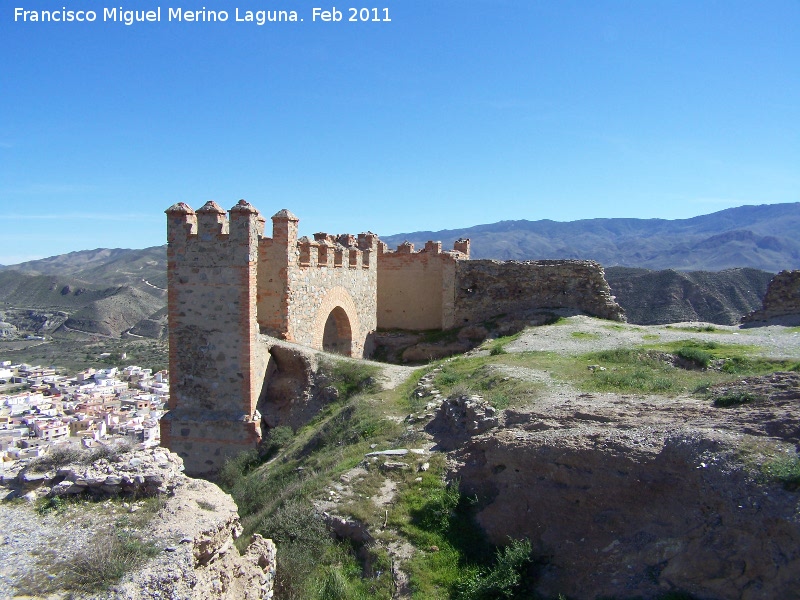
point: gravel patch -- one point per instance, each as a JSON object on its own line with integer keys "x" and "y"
{"x": 581, "y": 334}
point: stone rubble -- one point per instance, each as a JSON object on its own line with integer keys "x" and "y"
{"x": 137, "y": 473}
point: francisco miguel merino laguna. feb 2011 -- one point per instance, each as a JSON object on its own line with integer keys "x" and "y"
{"x": 258, "y": 17}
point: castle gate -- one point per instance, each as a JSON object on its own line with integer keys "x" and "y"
{"x": 335, "y": 322}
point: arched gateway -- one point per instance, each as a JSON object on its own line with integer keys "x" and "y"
{"x": 336, "y": 323}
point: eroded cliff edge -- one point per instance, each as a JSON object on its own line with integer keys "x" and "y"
{"x": 629, "y": 496}
{"x": 70, "y": 518}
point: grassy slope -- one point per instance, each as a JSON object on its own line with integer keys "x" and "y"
{"x": 451, "y": 558}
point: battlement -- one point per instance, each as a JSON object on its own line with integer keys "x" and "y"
{"x": 338, "y": 251}
{"x": 211, "y": 223}
{"x": 460, "y": 249}
{"x": 228, "y": 282}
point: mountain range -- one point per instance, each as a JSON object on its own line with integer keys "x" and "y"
{"x": 761, "y": 237}
{"x": 713, "y": 268}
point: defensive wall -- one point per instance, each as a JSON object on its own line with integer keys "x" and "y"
{"x": 488, "y": 288}
{"x": 417, "y": 290}
{"x": 320, "y": 293}
{"x": 229, "y": 283}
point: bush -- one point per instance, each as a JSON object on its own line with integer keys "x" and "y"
{"x": 696, "y": 356}
{"x": 59, "y": 456}
{"x": 276, "y": 439}
{"x": 504, "y": 579}
{"x": 351, "y": 377}
{"x": 785, "y": 470}
{"x": 736, "y": 399}
{"x": 497, "y": 349}
{"x": 104, "y": 562}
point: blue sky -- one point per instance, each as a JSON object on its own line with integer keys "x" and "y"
{"x": 453, "y": 114}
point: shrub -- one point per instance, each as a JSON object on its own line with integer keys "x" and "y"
{"x": 736, "y": 398}
{"x": 59, "y": 456}
{"x": 276, "y": 439}
{"x": 695, "y": 355}
{"x": 504, "y": 579}
{"x": 785, "y": 470}
{"x": 497, "y": 349}
{"x": 350, "y": 377}
{"x": 104, "y": 562}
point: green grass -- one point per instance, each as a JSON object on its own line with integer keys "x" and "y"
{"x": 736, "y": 399}
{"x": 785, "y": 470}
{"x": 698, "y": 329}
{"x": 478, "y": 375}
{"x": 274, "y": 499}
{"x": 456, "y": 560}
{"x": 350, "y": 376}
{"x": 664, "y": 368}
{"x": 695, "y": 356}
{"x": 585, "y": 335}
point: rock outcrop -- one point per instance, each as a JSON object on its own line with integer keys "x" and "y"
{"x": 634, "y": 497}
{"x": 199, "y": 526}
{"x": 782, "y": 298}
{"x": 195, "y": 528}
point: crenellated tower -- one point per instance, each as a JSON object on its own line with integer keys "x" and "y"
{"x": 216, "y": 364}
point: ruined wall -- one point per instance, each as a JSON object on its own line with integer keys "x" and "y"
{"x": 216, "y": 366}
{"x": 487, "y": 288}
{"x": 781, "y": 300}
{"x": 302, "y": 283}
{"x": 416, "y": 290}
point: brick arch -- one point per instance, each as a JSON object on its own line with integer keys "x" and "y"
{"x": 341, "y": 298}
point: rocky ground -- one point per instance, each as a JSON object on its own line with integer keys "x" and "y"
{"x": 622, "y": 495}
{"x": 626, "y": 495}
{"x": 177, "y": 544}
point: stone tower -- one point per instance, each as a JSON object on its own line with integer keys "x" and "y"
{"x": 216, "y": 365}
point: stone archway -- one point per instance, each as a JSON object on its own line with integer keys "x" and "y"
{"x": 337, "y": 335}
{"x": 336, "y": 326}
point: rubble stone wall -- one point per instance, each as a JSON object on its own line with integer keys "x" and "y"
{"x": 782, "y": 298}
{"x": 488, "y": 288}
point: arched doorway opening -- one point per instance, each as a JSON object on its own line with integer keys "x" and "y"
{"x": 337, "y": 336}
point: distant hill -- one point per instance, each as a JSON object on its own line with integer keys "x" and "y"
{"x": 761, "y": 237}
{"x": 659, "y": 297}
{"x": 52, "y": 304}
{"x": 104, "y": 266}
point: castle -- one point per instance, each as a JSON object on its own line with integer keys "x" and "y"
{"x": 229, "y": 285}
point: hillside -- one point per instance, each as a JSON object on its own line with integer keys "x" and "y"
{"x": 659, "y": 297}
{"x": 103, "y": 266}
{"x": 760, "y": 237}
{"x": 47, "y": 304}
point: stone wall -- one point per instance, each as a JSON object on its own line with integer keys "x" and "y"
{"x": 304, "y": 285}
{"x": 216, "y": 366}
{"x": 488, "y": 288}
{"x": 416, "y": 290}
{"x": 782, "y": 298}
